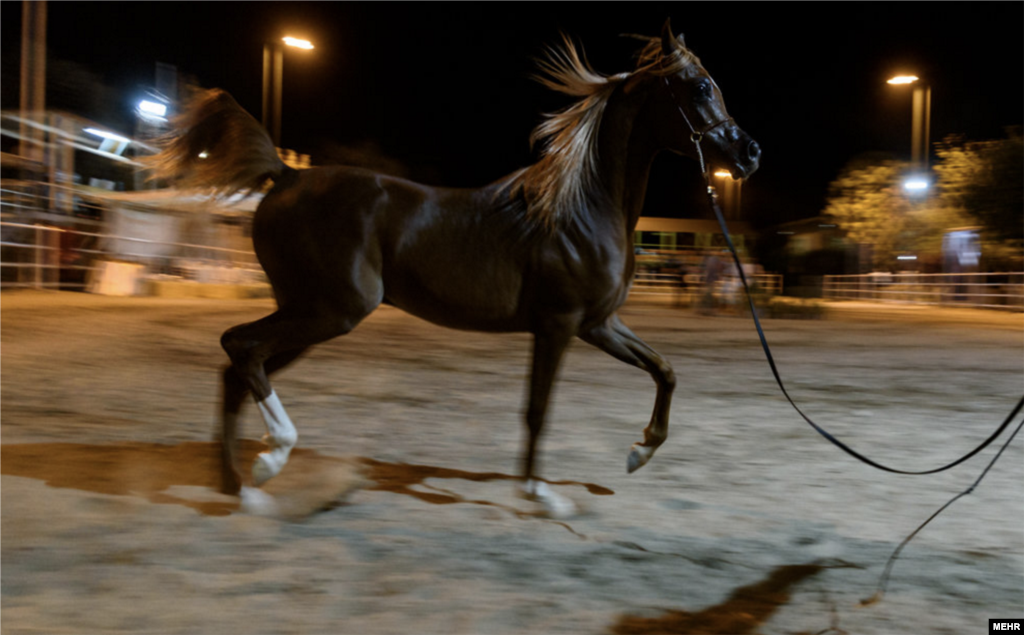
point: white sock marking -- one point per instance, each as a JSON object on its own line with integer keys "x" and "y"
{"x": 281, "y": 437}
{"x": 556, "y": 505}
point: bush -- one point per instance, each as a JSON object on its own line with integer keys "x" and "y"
{"x": 794, "y": 309}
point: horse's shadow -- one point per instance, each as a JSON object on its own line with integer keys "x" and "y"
{"x": 148, "y": 470}
{"x": 159, "y": 473}
{"x": 744, "y": 611}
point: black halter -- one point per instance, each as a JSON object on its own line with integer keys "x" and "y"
{"x": 696, "y": 134}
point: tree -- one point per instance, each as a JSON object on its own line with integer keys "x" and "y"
{"x": 985, "y": 179}
{"x": 868, "y": 201}
{"x": 978, "y": 184}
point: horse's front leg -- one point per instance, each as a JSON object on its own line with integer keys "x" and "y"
{"x": 548, "y": 349}
{"x": 614, "y": 338}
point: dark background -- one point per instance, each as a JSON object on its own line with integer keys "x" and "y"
{"x": 445, "y": 88}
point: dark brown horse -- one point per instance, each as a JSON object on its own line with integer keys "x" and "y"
{"x": 546, "y": 250}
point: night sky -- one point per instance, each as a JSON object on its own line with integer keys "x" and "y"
{"x": 445, "y": 88}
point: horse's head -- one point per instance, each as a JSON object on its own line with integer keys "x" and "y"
{"x": 693, "y": 112}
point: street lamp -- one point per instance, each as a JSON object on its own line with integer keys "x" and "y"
{"x": 153, "y": 109}
{"x": 915, "y": 184}
{"x": 273, "y": 81}
{"x": 921, "y": 122}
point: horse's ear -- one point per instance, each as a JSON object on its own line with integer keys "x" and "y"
{"x": 669, "y": 42}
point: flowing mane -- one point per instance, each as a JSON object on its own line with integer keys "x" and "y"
{"x": 559, "y": 183}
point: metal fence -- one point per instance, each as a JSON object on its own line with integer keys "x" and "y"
{"x": 687, "y": 290}
{"x": 45, "y": 257}
{"x": 980, "y": 290}
{"x": 31, "y": 257}
{"x": 678, "y": 275}
{"x": 60, "y": 237}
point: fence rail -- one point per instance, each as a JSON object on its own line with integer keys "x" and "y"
{"x": 1004, "y": 290}
{"x": 40, "y": 262}
{"x": 45, "y": 257}
{"x": 690, "y": 289}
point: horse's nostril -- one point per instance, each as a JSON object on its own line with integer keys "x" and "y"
{"x": 754, "y": 151}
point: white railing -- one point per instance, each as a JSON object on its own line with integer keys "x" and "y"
{"x": 31, "y": 258}
{"x": 981, "y": 290}
{"x": 689, "y": 289}
{"x": 53, "y": 238}
{"x": 44, "y": 257}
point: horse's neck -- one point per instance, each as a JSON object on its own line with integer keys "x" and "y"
{"x": 627, "y": 149}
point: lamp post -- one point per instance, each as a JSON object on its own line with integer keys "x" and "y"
{"x": 32, "y": 94}
{"x": 273, "y": 81}
{"x": 921, "y": 121}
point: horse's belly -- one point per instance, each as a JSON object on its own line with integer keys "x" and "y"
{"x": 463, "y": 299}
{"x": 450, "y": 313}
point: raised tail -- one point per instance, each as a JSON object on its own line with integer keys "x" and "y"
{"x": 217, "y": 146}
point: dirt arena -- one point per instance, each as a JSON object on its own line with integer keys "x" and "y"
{"x": 398, "y": 513}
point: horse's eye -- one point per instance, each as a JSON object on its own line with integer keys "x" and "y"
{"x": 703, "y": 89}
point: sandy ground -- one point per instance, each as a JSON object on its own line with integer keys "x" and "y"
{"x": 745, "y": 521}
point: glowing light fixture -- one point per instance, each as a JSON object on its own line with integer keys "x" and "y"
{"x": 297, "y": 43}
{"x": 103, "y": 134}
{"x": 903, "y": 79}
{"x": 723, "y": 173}
{"x": 273, "y": 81}
{"x": 915, "y": 184}
{"x": 152, "y": 108}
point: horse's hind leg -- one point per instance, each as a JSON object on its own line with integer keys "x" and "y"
{"x": 617, "y": 340}
{"x": 283, "y": 336}
{"x": 234, "y": 393}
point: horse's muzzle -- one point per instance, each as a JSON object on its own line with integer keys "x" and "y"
{"x": 754, "y": 153}
{"x": 737, "y": 150}
{"x": 747, "y": 157}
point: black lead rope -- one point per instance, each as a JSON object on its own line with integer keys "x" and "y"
{"x": 696, "y": 136}
{"x": 713, "y": 199}
{"x": 883, "y": 581}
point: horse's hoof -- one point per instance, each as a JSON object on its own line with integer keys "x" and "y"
{"x": 257, "y": 502}
{"x": 561, "y": 508}
{"x": 264, "y": 468}
{"x": 639, "y": 455}
{"x": 555, "y": 505}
